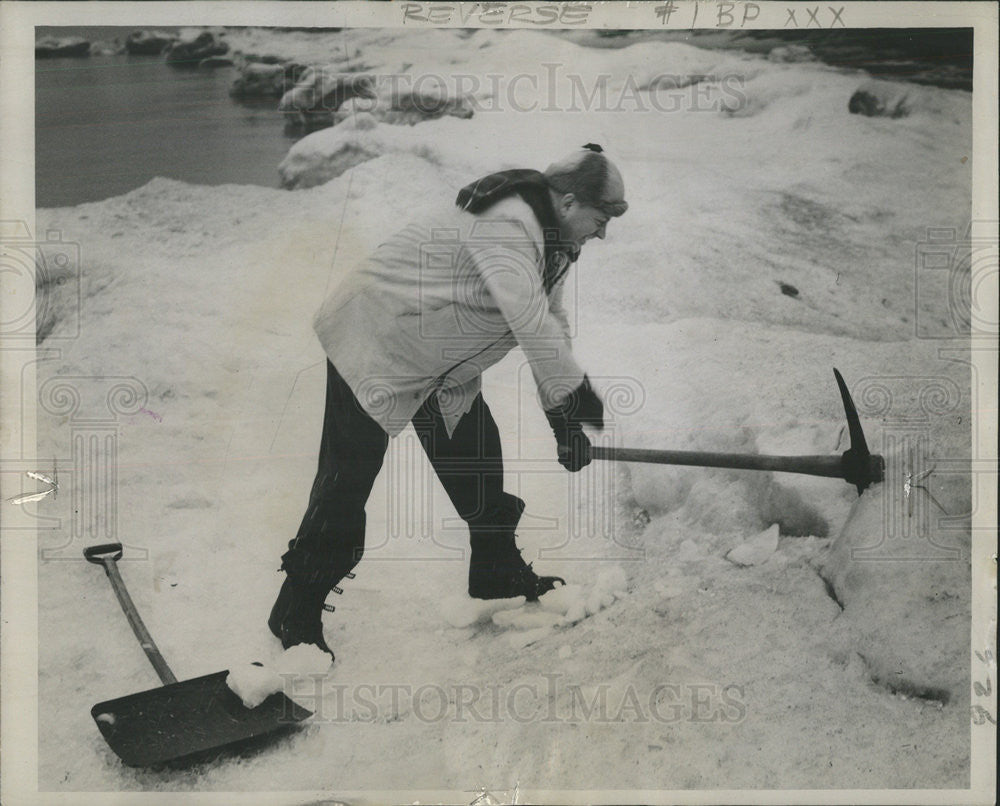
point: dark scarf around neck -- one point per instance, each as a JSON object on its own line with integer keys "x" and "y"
{"x": 532, "y": 187}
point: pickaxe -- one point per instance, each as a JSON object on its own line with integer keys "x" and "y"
{"x": 856, "y": 466}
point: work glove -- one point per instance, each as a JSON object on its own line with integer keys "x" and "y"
{"x": 581, "y": 407}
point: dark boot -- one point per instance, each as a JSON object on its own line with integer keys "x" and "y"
{"x": 496, "y": 568}
{"x": 297, "y": 615}
{"x": 279, "y": 608}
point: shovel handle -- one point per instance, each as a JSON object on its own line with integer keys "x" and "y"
{"x": 108, "y": 554}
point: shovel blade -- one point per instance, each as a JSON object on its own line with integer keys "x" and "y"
{"x": 183, "y": 723}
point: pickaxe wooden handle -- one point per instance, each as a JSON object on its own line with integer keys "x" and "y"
{"x": 856, "y": 466}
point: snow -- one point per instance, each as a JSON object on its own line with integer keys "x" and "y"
{"x": 757, "y": 549}
{"x": 204, "y": 296}
{"x": 461, "y": 610}
{"x": 253, "y": 683}
{"x": 527, "y": 619}
{"x": 302, "y": 660}
{"x": 326, "y": 154}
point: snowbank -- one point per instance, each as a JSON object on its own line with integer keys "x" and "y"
{"x": 910, "y": 641}
{"x": 192, "y": 48}
{"x": 321, "y": 91}
{"x": 328, "y": 153}
{"x": 51, "y": 47}
{"x": 148, "y": 43}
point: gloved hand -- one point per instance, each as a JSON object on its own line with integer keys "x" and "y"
{"x": 581, "y": 407}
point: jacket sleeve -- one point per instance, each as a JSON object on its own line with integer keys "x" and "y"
{"x": 509, "y": 268}
{"x": 557, "y": 307}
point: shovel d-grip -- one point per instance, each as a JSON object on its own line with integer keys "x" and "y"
{"x": 857, "y": 465}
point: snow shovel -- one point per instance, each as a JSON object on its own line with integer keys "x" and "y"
{"x": 856, "y": 466}
{"x": 180, "y": 722}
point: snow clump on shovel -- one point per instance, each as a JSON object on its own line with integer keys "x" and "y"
{"x": 253, "y": 683}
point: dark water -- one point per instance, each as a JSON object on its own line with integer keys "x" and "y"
{"x": 940, "y": 57}
{"x": 108, "y": 124}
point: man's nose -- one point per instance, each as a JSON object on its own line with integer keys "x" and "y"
{"x": 601, "y": 232}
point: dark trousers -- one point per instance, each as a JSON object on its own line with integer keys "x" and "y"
{"x": 331, "y": 538}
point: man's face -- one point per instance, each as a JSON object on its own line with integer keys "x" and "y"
{"x": 580, "y": 222}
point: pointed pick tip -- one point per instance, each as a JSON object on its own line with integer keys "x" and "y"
{"x": 858, "y": 458}
{"x": 840, "y": 381}
{"x": 853, "y": 421}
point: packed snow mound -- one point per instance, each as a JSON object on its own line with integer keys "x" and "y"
{"x": 914, "y": 641}
{"x": 678, "y": 399}
{"x": 320, "y": 92}
{"x": 326, "y": 154}
{"x": 264, "y": 79}
{"x": 484, "y": 52}
{"x": 193, "y": 45}
{"x": 52, "y": 47}
{"x": 891, "y": 99}
{"x": 751, "y": 94}
{"x": 148, "y": 42}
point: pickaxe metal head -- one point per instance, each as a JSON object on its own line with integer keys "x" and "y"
{"x": 860, "y": 468}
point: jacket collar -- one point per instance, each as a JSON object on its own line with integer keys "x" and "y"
{"x": 532, "y": 187}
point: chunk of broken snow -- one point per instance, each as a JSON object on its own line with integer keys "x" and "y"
{"x": 576, "y": 602}
{"x": 561, "y": 598}
{"x": 303, "y": 660}
{"x": 757, "y": 549}
{"x": 598, "y": 600}
{"x": 565, "y": 651}
{"x": 252, "y": 683}
{"x": 462, "y": 611}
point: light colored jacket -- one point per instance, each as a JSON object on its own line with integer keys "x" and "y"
{"x": 437, "y": 304}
